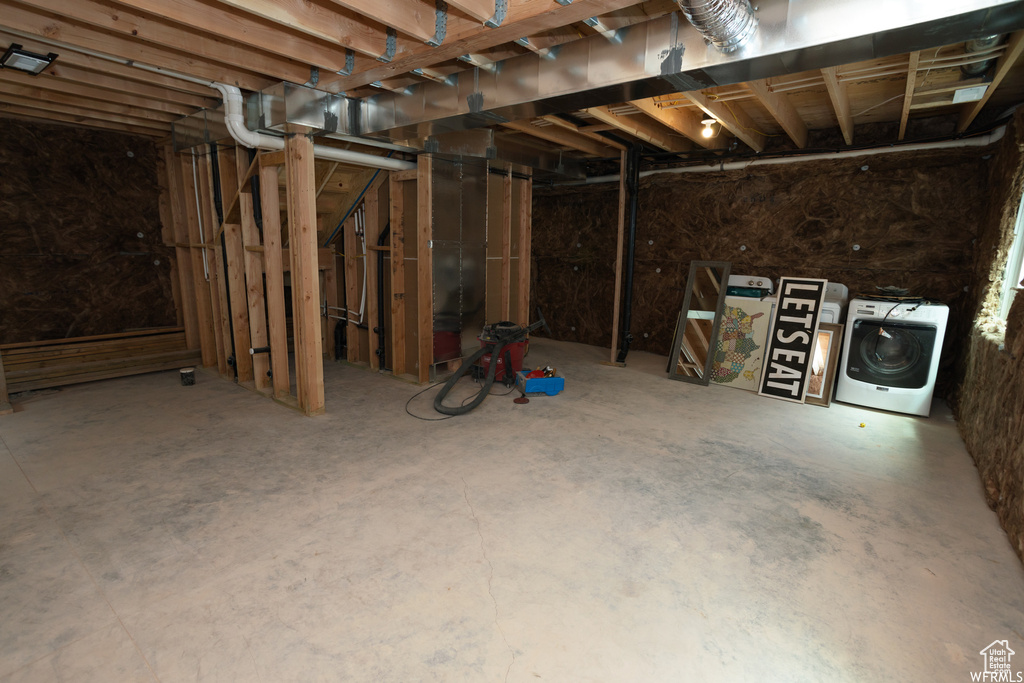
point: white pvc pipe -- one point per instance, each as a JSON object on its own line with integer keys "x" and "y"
{"x": 199, "y": 215}
{"x": 235, "y": 123}
{"x": 979, "y": 141}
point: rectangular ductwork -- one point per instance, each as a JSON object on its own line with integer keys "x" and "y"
{"x": 668, "y": 55}
{"x": 285, "y": 104}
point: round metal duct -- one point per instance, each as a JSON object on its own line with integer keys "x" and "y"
{"x": 726, "y": 24}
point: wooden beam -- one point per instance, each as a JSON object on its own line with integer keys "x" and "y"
{"x": 41, "y": 109}
{"x": 253, "y": 265}
{"x": 59, "y": 28}
{"x": 525, "y": 18}
{"x": 413, "y": 18}
{"x": 35, "y": 115}
{"x": 86, "y": 98}
{"x": 481, "y": 10}
{"x": 397, "y": 212}
{"x": 682, "y": 121}
{"x": 908, "y": 96}
{"x": 837, "y": 92}
{"x": 618, "y": 257}
{"x": 373, "y": 230}
{"x": 183, "y": 256}
{"x": 234, "y": 277}
{"x": 352, "y": 280}
{"x": 1011, "y": 55}
{"x": 194, "y": 94}
{"x": 313, "y": 19}
{"x": 584, "y": 131}
{"x": 200, "y": 278}
{"x": 640, "y": 129}
{"x": 506, "y": 244}
{"x": 215, "y": 261}
{"x": 103, "y": 84}
{"x": 137, "y": 26}
{"x": 732, "y": 118}
{"x": 561, "y": 136}
{"x": 309, "y": 360}
{"x": 424, "y": 271}
{"x": 5, "y": 400}
{"x": 525, "y": 236}
{"x": 782, "y": 110}
{"x": 277, "y": 325}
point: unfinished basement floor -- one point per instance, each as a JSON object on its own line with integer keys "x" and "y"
{"x": 630, "y": 529}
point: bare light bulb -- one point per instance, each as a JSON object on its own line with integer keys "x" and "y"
{"x": 708, "y": 131}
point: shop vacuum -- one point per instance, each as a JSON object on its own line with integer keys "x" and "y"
{"x": 502, "y": 347}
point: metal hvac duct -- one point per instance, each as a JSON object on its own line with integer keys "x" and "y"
{"x": 726, "y": 24}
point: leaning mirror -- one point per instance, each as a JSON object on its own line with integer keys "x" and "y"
{"x": 696, "y": 337}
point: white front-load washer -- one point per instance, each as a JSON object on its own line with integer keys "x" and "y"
{"x": 891, "y": 354}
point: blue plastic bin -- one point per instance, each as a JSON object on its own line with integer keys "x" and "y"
{"x": 551, "y": 386}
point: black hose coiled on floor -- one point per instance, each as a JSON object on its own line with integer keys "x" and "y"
{"x": 484, "y": 391}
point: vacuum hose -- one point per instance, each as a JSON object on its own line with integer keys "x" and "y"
{"x": 486, "y": 389}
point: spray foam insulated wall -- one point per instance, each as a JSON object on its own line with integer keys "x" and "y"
{"x": 81, "y": 251}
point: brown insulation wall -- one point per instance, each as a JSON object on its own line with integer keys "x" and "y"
{"x": 72, "y": 203}
{"x": 908, "y": 220}
{"x": 990, "y": 402}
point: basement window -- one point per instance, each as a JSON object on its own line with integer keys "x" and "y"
{"x": 1014, "y": 273}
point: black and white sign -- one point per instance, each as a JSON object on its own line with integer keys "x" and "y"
{"x": 791, "y": 342}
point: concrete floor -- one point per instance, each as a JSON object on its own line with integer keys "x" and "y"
{"x": 630, "y": 529}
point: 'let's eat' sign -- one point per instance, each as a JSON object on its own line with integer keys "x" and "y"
{"x": 791, "y": 343}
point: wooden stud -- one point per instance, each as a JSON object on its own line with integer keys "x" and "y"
{"x": 506, "y": 244}
{"x": 620, "y": 238}
{"x": 1012, "y": 53}
{"x": 200, "y": 278}
{"x": 397, "y": 210}
{"x": 782, "y": 110}
{"x": 525, "y": 235}
{"x": 840, "y": 96}
{"x": 350, "y": 242}
{"x": 301, "y": 198}
{"x": 253, "y": 265}
{"x": 331, "y": 298}
{"x": 277, "y": 324}
{"x": 234, "y": 278}
{"x": 373, "y": 230}
{"x": 424, "y": 270}
{"x": 183, "y": 256}
{"x": 908, "y": 97}
{"x": 215, "y": 263}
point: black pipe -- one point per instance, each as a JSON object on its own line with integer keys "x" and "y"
{"x": 381, "y": 339}
{"x": 633, "y": 188}
{"x": 257, "y": 202}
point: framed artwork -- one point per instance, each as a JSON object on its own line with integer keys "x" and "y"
{"x": 792, "y": 339}
{"x": 822, "y": 377}
{"x": 742, "y": 335}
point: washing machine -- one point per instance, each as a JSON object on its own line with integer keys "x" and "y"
{"x": 891, "y": 354}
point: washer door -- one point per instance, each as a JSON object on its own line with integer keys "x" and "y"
{"x": 891, "y": 354}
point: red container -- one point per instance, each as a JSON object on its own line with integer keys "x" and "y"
{"x": 447, "y": 345}
{"x": 516, "y": 350}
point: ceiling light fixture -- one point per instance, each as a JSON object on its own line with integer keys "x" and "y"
{"x": 25, "y": 61}
{"x": 710, "y": 130}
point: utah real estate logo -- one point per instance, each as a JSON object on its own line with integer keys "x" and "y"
{"x": 997, "y": 669}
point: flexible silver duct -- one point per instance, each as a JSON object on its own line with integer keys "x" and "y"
{"x": 726, "y": 24}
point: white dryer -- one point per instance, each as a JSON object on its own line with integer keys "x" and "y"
{"x": 891, "y": 354}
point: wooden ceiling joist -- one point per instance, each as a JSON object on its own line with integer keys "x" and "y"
{"x": 8, "y": 111}
{"x": 50, "y": 26}
{"x": 61, "y": 91}
{"x": 256, "y": 32}
{"x": 42, "y": 109}
{"x": 641, "y": 129}
{"x": 560, "y": 136}
{"x": 839, "y": 95}
{"x": 414, "y": 18}
{"x": 584, "y": 131}
{"x": 686, "y": 123}
{"x": 782, "y": 110}
{"x": 1010, "y": 56}
{"x": 908, "y": 96}
{"x": 732, "y": 118}
{"x": 67, "y": 75}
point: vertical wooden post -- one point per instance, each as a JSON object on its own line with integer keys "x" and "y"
{"x": 277, "y": 325}
{"x": 182, "y": 253}
{"x": 234, "y": 278}
{"x": 352, "y": 281}
{"x": 506, "y": 244}
{"x": 618, "y": 254}
{"x": 215, "y": 260}
{"x": 5, "y": 400}
{"x": 301, "y": 195}
{"x": 253, "y": 264}
{"x": 424, "y": 266}
{"x": 373, "y": 229}
{"x": 204, "y": 307}
{"x": 167, "y": 237}
{"x": 525, "y": 235}
{"x": 397, "y": 277}
{"x": 331, "y": 297}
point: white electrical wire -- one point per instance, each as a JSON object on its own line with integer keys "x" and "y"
{"x": 199, "y": 215}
